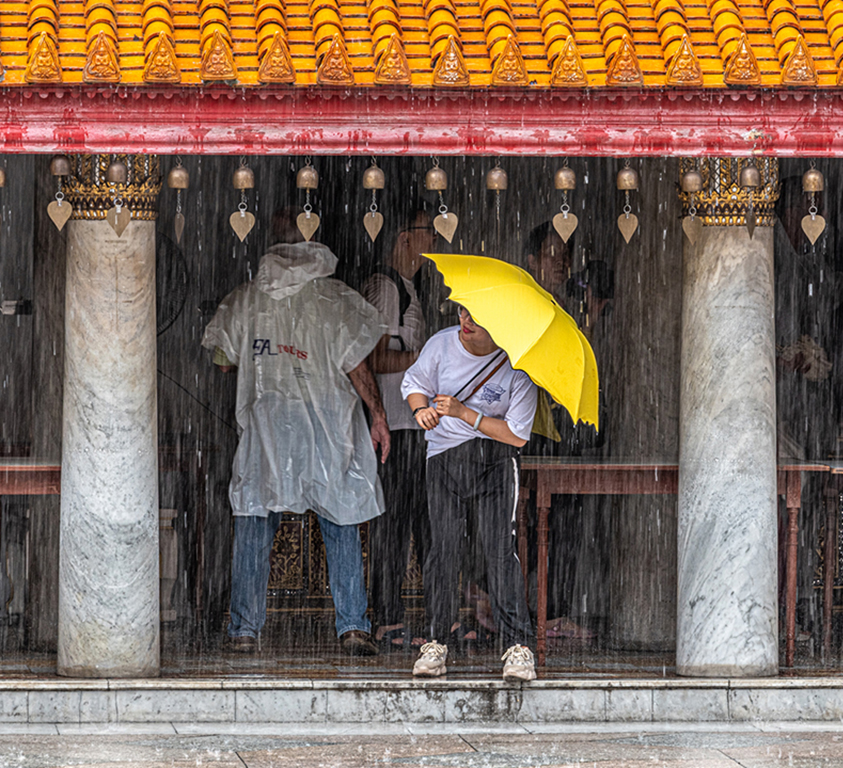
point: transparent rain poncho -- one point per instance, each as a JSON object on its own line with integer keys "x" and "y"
{"x": 294, "y": 335}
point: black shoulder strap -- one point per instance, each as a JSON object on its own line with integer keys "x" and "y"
{"x": 403, "y": 294}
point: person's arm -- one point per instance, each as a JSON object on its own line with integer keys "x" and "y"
{"x": 426, "y": 418}
{"x": 386, "y": 360}
{"x": 497, "y": 429}
{"x": 364, "y": 382}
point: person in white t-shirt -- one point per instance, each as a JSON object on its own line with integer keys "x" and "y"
{"x": 477, "y": 412}
{"x": 392, "y": 292}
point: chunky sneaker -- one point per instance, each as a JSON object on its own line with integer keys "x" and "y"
{"x": 431, "y": 660}
{"x": 519, "y": 664}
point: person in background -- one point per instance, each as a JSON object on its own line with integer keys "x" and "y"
{"x": 585, "y": 295}
{"x": 473, "y": 440}
{"x": 391, "y": 290}
{"x": 298, "y": 341}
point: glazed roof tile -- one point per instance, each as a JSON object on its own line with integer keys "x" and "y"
{"x": 424, "y": 43}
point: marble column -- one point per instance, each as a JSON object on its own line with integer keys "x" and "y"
{"x": 108, "y": 568}
{"x": 727, "y": 538}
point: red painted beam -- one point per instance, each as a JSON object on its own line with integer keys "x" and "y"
{"x": 221, "y": 120}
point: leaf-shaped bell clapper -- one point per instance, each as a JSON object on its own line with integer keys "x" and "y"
{"x": 565, "y": 179}
{"x": 436, "y": 179}
{"x": 307, "y": 178}
{"x": 117, "y": 172}
{"x": 60, "y": 165}
{"x": 373, "y": 178}
{"x": 244, "y": 178}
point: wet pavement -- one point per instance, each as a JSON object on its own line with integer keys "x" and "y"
{"x": 688, "y": 746}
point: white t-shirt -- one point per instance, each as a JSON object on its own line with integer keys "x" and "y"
{"x": 382, "y": 293}
{"x": 445, "y": 367}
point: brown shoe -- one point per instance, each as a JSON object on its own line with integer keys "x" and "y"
{"x": 358, "y": 643}
{"x": 242, "y": 644}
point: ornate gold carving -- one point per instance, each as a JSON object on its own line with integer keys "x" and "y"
{"x": 722, "y": 202}
{"x": 450, "y": 69}
{"x": 684, "y": 69}
{"x": 624, "y": 69}
{"x": 335, "y": 68}
{"x": 102, "y": 66}
{"x": 569, "y": 69}
{"x": 92, "y": 196}
{"x": 509, "y": 68}
{"x": 277, "y": 67}
{"x": 799, "y": 68}
{"x": 742, "y": 68}
{"x": 218, "y": 61}
{"x": 162, "y": 66}
{"x": 393, "y": 68}
{"x": 43, "y": 65}
{"x": 286, "y": 559}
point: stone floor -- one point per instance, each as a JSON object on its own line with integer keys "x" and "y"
{"x": 412, "y": 747}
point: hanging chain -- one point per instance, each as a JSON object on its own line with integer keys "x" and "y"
{"x": 308, "y": 208}
{"x": 243, "y": 205}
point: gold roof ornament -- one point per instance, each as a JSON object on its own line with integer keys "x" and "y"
{"x": 102, "y": 66}
{"x": 624, "y": 69}
{"x": 276, "y": 66}
{"x": 43, "y": 65}
{"x": 217, "y": 61}
{"x": 335, "y": 68}
{"x": 569, "y": 69}
{"x": 799, "y": 68}
{"x": 742, "y": 68}
{"x": 509, "y": 68}
{"x": 450, "y": 70}
{"x": 162, "y": 66}
{"x": 685, "y": 68}
{"x": 393, "y": 67}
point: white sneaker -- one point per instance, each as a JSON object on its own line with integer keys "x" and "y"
{"x": 431, "y": 660}
{"x": 519, "y": 664}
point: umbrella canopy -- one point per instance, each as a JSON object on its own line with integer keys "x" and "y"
{"x": 540, "y": 338}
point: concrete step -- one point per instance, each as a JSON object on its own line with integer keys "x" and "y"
{"x": 258, "y": 700}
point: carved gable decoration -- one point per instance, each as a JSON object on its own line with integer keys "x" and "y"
{"x": 569, "y": 69}
{"x": 685, "y": 68}
{"x": 393, "y": 68}
{"x": 218, "y": 61}
{"x": 742, "y": 68}
{"x": 102, "y": 66}
{"x": 799, "y": 68}
{"x": 335, "y": 68}
{"x": 277, "y": 67}
{"x": 162, "y": 66}
{"x": 43, "y": 65}
{"x": 509, "y": 68}
{"x": 450, "y": 69}
{"x": 624, "y": 69}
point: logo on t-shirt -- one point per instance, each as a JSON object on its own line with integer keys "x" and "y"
{"x": 491, "y": 393}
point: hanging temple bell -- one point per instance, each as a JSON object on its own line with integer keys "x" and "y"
{"x": 242, "y": 221}
{"x": 436, "y": 179}
{"x": 59, "y": 210}
{"x": 178, "y": 178}
{"x": 565, "y": 222}
{"x": 691, "y": 183}
{"x": 307, "y": 178}
{"x": 374, "y": 179}
{"x": 813, "y": 224}
{"x": 627, "y": 180}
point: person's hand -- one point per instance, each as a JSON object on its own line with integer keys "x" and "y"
{"x": 449, "y": 406}
{"x": 427, "y": 418}
{"x": 380, "y": 437}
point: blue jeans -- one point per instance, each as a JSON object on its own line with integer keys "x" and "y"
{"x": 253, "y": 537}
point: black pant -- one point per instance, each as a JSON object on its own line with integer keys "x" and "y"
{"x": 484, "y": 474}
{"x": 405, "y": 497}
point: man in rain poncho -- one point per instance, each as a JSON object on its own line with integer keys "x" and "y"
{"x": 299, "y": 340}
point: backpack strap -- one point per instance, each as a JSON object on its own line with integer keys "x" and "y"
{"x": 403, "y": 294}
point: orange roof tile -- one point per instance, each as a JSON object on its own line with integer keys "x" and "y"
{"x": 424, "y": 43}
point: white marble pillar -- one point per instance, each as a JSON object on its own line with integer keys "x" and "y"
{"x": 727, "y": 568}
{"x": 108, "y": 570}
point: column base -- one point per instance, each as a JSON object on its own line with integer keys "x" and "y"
{"x": 727, "y": 670}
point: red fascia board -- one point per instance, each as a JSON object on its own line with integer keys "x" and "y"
{"x": 221, "y": 120}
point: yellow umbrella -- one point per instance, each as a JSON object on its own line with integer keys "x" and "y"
{"x": 540, "y": 338}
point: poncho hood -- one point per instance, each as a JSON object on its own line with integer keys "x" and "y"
{"x": 286, "y": 268}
